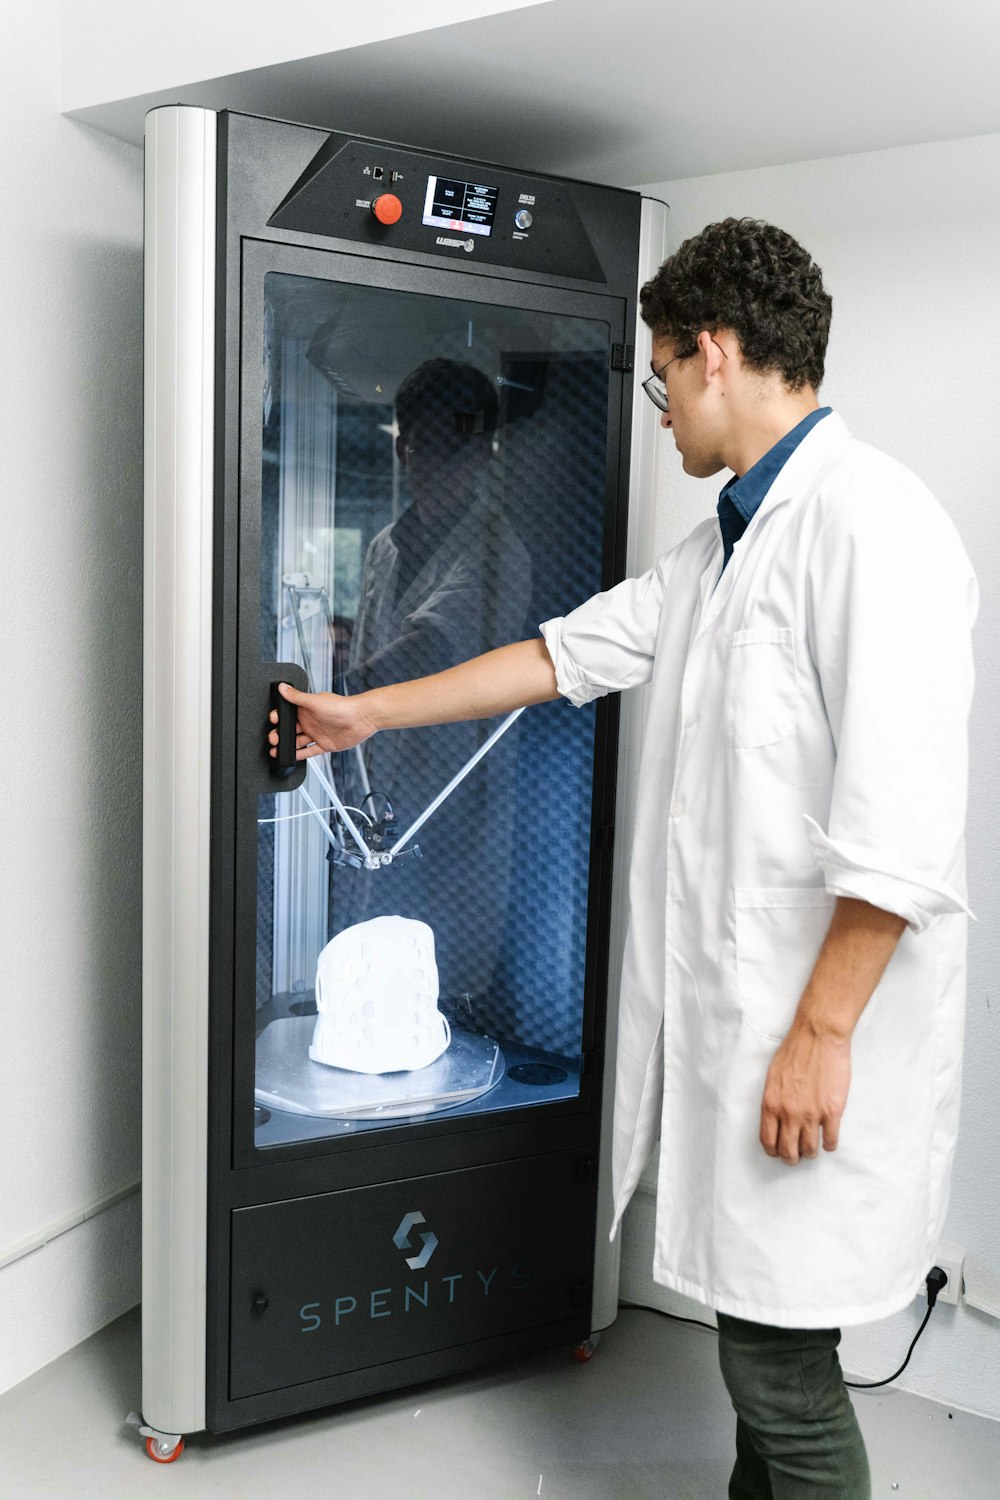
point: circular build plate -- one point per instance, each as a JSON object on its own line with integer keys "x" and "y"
{"x": 288, "y": 1079}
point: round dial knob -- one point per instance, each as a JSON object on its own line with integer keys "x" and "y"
{"x": 387, "y": 208}
{"x": 522, "y": 219}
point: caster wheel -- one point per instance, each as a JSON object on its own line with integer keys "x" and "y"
{"x": 586, "y": 1350}
{"x": 160, "y": 1454}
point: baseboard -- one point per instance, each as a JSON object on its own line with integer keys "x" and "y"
{"x": 58, "y": 1295}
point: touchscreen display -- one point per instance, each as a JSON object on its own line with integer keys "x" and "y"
{"x": 466, "y": 207}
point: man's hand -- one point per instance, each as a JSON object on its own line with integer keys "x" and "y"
{"x": 326, "y": 721}
{"x": 805, "y": 1094}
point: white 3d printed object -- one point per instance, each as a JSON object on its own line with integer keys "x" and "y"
{"x": 376, "y": 993}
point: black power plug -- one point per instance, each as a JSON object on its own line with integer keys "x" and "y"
{"x": 937, "y": 1280}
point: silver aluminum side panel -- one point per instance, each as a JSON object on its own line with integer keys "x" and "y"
{"x": 180, "y": 254}
{"x": 639, "y": 557}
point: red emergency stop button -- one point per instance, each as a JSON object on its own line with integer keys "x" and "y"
{"x": 387, "y": 208}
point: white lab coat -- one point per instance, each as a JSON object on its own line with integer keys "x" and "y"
{"x": 806, "y": 738}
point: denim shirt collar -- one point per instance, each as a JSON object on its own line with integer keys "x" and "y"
{"x": 741, "y": 498}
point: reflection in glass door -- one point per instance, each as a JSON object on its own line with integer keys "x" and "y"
{"x": 433, "y": 486}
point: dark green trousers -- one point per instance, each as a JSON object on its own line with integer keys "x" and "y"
{"x": 796, "y": 1433}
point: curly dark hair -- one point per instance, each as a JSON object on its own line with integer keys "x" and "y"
{"x": 755, "y": 280}
{"x": 448, "y": 401}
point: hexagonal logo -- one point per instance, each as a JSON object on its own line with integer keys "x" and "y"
{"x": 428, "y": 1240}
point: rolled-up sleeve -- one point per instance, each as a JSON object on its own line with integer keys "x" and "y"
{"x": 608, "y": 643}
{"x": 891, "y": 599}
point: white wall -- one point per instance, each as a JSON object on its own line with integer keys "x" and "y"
{"x": 70, "y": 583}
{"x": 908, "y": 242}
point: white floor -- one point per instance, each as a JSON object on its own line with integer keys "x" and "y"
{"x": 646, "y": 1419}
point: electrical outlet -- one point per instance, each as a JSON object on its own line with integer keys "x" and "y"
{"x": 951, "y": 1260}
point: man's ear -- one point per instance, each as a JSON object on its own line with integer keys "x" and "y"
{"x": 713, "y": 355}
{"x": 401, "y": 449}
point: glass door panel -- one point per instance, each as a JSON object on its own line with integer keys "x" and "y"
{"x": 434, "y": 481}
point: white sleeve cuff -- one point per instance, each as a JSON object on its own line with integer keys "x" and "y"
{"x": 864, "y": 874}
{"x": 569, "y": 679}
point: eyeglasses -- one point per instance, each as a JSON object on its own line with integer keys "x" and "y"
{"x": 656, "y": 387}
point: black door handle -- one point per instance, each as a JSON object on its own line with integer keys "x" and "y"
{"x": 281, "y": 772}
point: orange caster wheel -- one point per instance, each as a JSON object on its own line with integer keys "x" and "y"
{"x": 587, "y": 1349}
{"x": 162, "y": 1453}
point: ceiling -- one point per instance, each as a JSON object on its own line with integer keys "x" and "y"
{"x": 633, "y": 92}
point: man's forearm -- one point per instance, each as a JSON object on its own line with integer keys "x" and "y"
{"x": 510, "y": 677}
{"x": 810, "y": 1074}
{"x": 497, "y": 682}
{"x": 858, "y": 946}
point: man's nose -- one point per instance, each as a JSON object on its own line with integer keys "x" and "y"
{"x": 666, "y": 421}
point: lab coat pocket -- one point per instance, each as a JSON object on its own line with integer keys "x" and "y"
{"x": 760, "y": 687}
{"x": 779, "y": 932}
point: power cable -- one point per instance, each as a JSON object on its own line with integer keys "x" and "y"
{"x": 674, "y": 1317}
{"x": 937, "y": 1280}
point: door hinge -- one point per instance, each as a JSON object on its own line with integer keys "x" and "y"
{"x": 623, "y": 357}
